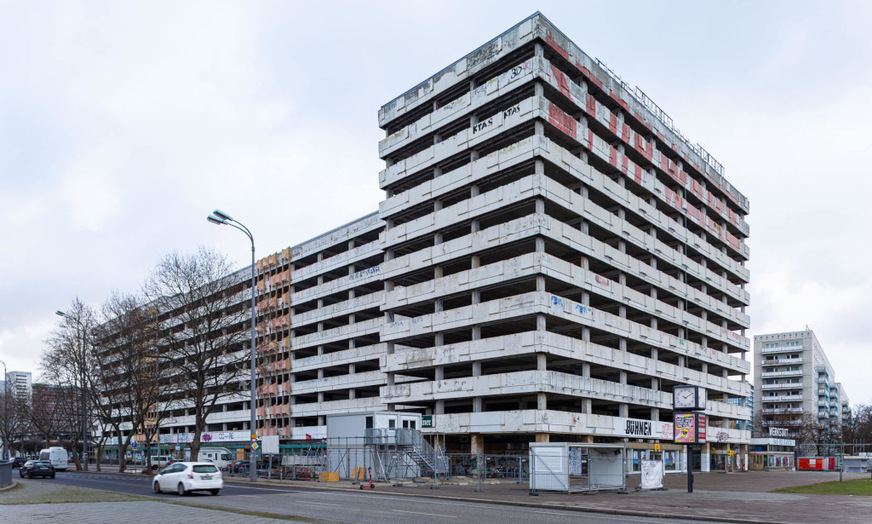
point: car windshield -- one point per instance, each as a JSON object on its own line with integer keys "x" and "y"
{"x": 205, "y": 468}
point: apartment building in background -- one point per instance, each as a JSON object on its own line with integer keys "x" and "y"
{"x": 20, "y": 384}
{"x": 550, "y": 258}
{"x": 796, "y": 385}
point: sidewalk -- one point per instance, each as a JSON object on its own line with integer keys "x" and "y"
{"x": 735, "y": 497}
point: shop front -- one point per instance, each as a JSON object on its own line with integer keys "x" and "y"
{"x": 772, "y": 454}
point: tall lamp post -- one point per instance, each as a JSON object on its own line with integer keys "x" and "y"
{"x": 80, "y": 339}
{"x": 5, "y": 406}
{"x": 223, "y": 219}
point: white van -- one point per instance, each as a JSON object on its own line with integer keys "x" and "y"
{"x": 221, "y": 457}
{"x": 160, "y": 461}
{"x": 57, "y": 455}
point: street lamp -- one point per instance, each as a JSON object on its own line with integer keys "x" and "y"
{"x": 82, "y": 385}
{"x": 223, "y": 219}
{"x": 5, "y": 405}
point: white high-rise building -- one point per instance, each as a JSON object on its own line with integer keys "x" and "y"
{"x": 19, "y": 383}
{"x": 796, "y": 386}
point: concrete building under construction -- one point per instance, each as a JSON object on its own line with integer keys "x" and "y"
{"x": 551, "y": 256}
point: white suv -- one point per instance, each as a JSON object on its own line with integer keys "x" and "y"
{"x": 183, "y": 477}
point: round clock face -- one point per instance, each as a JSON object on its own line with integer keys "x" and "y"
{"x": 685, "y": 398}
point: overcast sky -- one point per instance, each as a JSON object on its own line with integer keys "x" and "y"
{"x": 123, "y": 124}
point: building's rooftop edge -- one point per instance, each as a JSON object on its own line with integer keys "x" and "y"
{"x": 635, "y": 93}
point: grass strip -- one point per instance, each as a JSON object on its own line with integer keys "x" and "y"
{"x": 857, "y": 487}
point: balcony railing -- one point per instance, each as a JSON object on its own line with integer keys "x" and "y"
{"x": 786, "y": 385}
{"x": 772, "y": 351}
{"x": 777, "y": 361}
{"x": 781, "y": 398}
{"x": 782, "y": 410}
{"x": 794, "y": 373}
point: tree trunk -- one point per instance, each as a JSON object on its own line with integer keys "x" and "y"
{"x": 76, "y": 460}
{"x": 147, "y": 456}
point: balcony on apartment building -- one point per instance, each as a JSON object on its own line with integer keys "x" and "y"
{"x": 774, "y": 374}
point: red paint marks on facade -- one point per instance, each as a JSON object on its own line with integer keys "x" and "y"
{"x": 587, "y": 74}
{"x": 562, "y": 121}
{"x": 562, "y": 81}
{"x": 560, "y": 51}
{"x": 639, "y": 175}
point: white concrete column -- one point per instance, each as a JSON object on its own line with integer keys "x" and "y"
{"x": 623, "y": 407}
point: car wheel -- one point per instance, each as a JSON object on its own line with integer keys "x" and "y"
{"x": 214, "y": 491}
{"x": 156, "y": 487}
{"x": 181, "y": 489}
{"x": 52, "y": 475}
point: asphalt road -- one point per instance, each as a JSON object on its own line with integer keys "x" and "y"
{"x": 347, "y": 506}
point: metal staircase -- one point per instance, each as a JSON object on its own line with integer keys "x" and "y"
{"x": 404, "y": 452}
{"x": 430, "y": 461}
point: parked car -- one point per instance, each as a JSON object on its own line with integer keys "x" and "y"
{"x": 184, "y": 477}
{"x": 161, "y": 461}
{"x": 17, "y": 462}
{"x": 37, "y": 468}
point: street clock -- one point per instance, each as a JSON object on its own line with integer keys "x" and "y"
{"x": 688, "y": 398}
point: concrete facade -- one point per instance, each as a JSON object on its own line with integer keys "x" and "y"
{"x": 556, "y": 257}
{"x": 19, "y": 384}
{"x": 794, "y": 380}
{"x": 551, "y": 257}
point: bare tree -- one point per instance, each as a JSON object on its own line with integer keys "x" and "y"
{"x": 809, "y": 435}
{"x": 44, "y": 413}
{"x": 202, "y": 337}
{"x": 68, "y": 362}
{"x": 13, "y": 418}
{"x": 131, "y": 378}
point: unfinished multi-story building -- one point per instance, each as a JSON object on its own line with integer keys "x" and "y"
{"x": 320, "y": 319}
{"x": 796, "y": 388}
{"x": 551, "y": 257}
{"x": 557, "y": 254}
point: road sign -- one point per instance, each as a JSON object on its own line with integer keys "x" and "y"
{"x": 254, "y": 446}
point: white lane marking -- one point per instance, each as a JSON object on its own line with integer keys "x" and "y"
{"x": 428, "y": 514}
{"x": 250, "y": 496}
{"x": 316, "y": 503}
{"x": 570, "y": 512}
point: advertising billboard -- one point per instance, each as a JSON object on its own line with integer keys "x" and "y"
{"x": 689, "y": 428}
